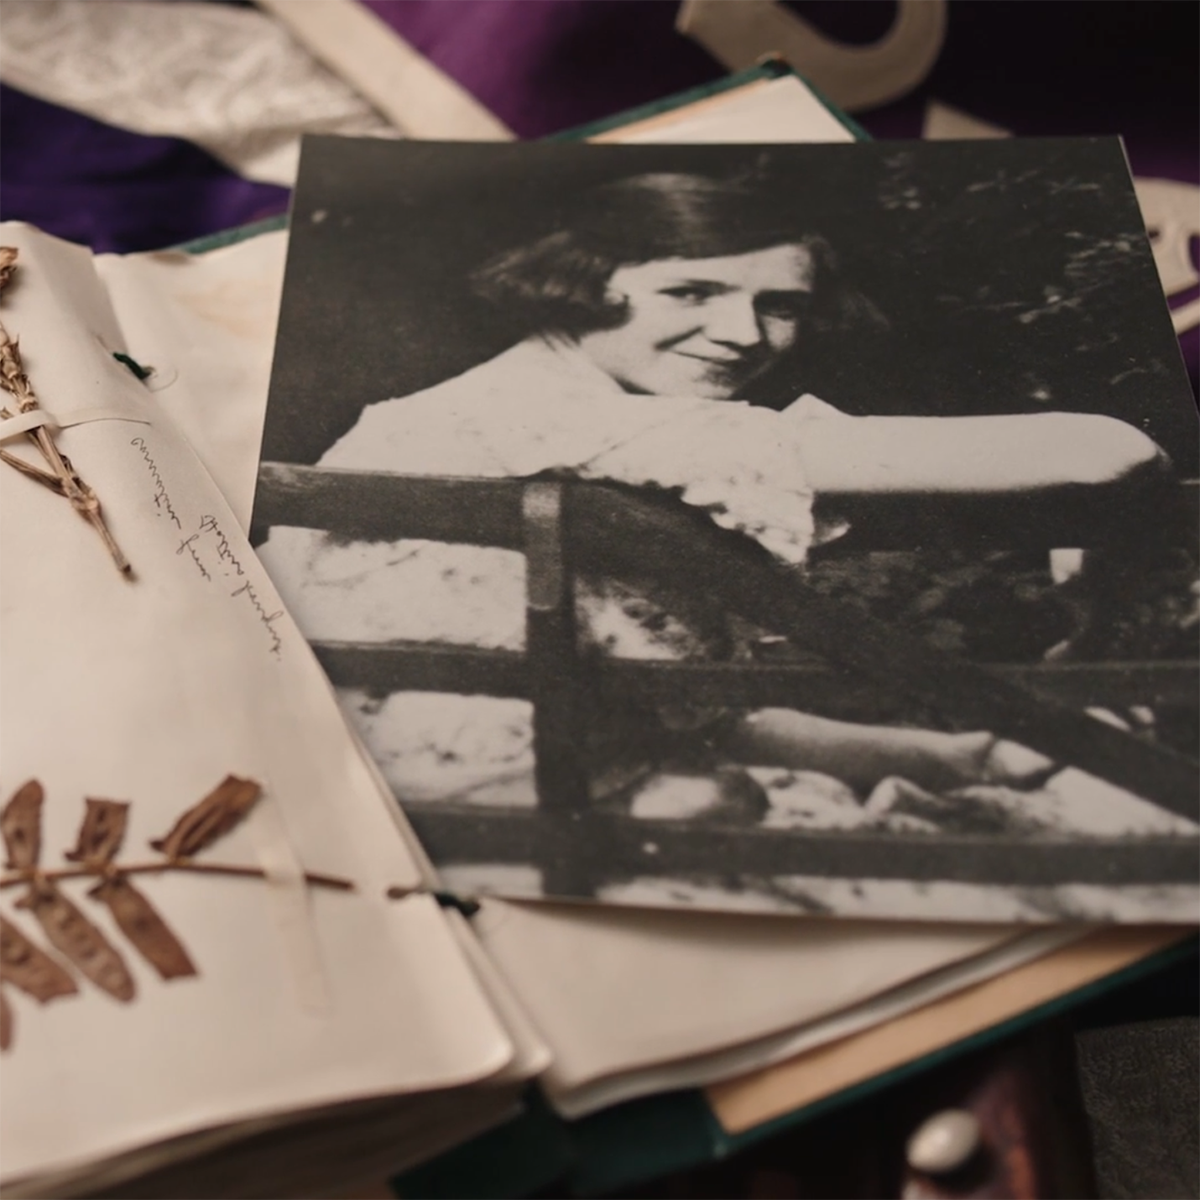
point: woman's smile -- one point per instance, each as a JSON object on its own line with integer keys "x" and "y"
{"x": 714, "y": 357}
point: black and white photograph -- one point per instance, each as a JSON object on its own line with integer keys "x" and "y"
{"x": 800, "y": 529}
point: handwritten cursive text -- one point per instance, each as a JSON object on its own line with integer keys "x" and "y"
{"x": 229, "y": 563}
{"x": 162, "y": 498}
{"x": 224, "y": 549}
{"x": 267, "y": 621}
{"x": 189, "y": 544}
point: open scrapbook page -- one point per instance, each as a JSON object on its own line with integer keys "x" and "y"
{"x": 212, "y": 927}
{"x": 721, "y": 527}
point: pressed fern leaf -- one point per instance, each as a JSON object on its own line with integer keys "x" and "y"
{"x": 100, "y": 837}
{"x": 140, "y": 922}
{"x": 101, "y": 833}
{"x": 98, "y": 842}
{"x": 31, "y": 969}
{"x": 21, "y": 826}
{"x": 78, "y": 940}
{"x": 209, "y": 819}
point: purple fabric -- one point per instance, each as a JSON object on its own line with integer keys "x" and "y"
{"x": 545, "y": 67}
{"x": 115, "y": 190}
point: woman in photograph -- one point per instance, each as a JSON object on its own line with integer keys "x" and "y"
{"x": 659, "y": 318}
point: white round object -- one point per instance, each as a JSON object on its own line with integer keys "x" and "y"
{"x": 944, "y": 1142}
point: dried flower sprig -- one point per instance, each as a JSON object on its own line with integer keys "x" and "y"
{"x": 62, "y": 476}
{"x": 41, "y": 975}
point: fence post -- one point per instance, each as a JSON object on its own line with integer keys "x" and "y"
{"x": 559, "y": 695}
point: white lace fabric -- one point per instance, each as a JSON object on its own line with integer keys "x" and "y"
{"x": 232, "y": 80}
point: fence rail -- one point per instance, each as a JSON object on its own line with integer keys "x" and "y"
{"x": 488, "y": 512}
{"x": 455, "y": 833}
{"x": 425, "y": 667}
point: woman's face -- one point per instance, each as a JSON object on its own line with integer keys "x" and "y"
{"x": 704, "y": 326}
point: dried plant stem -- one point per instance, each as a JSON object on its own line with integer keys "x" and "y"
{"x": 158, "y": 868}
{"x": 66, "y": 479}
{"x": 27, "y": 468}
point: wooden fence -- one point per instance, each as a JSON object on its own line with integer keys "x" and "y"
{"x": 565, "y": 527}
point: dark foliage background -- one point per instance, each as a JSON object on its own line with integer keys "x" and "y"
{"x": 1014, "y": 275}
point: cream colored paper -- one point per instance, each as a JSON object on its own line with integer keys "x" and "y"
{"x": 204, "y": 324}
{"x": 410, "y": 90}
{"x": 151, "y": 692}
{"x": 628, "y": 999}
{"x": 769, "y": 110}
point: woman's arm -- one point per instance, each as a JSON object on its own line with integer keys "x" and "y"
{"x": 972, "y": 454}
{"x": 863, "y": 755}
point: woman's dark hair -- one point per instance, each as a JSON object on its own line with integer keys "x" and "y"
{"x": 558, "y": 283}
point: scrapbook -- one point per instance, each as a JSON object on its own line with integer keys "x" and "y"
{"x": 198, "y": 940}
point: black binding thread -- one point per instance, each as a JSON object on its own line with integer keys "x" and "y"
{"x": 444, "y": 899}
{"x": 142, "y": 373}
